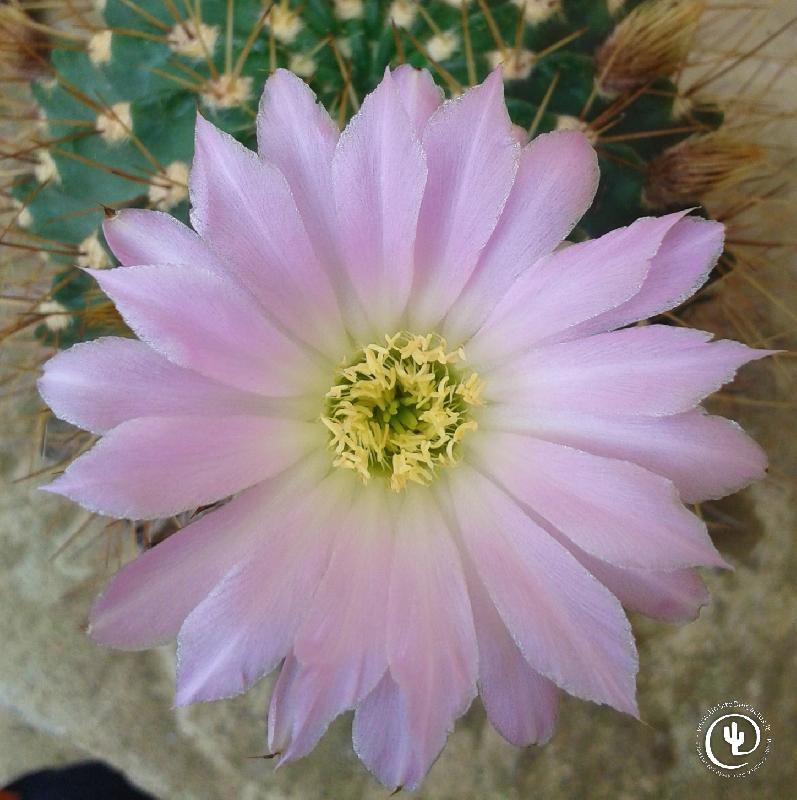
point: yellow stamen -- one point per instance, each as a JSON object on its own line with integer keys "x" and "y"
{"x": 400, "y": 410}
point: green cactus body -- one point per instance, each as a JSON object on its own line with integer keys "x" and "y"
{"x": 118, "y": 116}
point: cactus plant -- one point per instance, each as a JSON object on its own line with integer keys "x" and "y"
{"x": 117, "y": 109}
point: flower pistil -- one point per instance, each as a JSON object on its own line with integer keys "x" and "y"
{"x": 400, "y": 410}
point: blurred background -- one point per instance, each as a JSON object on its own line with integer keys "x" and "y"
{"x": 66, "y": 702}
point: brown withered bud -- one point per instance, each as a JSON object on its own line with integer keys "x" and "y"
{"x": 651, "y": 42}
{"x": 24, "y": 44}
{"x": 693, "y": 168}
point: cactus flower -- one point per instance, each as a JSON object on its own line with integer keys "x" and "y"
{"x": 440, "y": 457}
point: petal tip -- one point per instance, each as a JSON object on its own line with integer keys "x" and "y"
{"x": 95, "y": 631}
{"x": 630, "y": 706}
{"x": 186, "y": 693}
{"x": 495, "y": 76}
{"x": 713, "y": 560}
{"x": 60, "y": 486}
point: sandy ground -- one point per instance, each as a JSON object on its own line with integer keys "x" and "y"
{"x": 62, "y": 698}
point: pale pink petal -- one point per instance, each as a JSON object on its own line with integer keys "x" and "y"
{"x": 384, "y": 739}
{"x": 472, "y": 160}
{"x": 655, "y": 369}
{"x": 303, "y": 703}
{"x": 378, "y": 176}
{"x": 245, "y": 626}
{"x": 612, "y": 509}
{"x": 99, "y": 384}
{"x": 520, "y": 134}
{"x": 431, "y": 643}
{"x": 243, "y": 207}
{"x": 570, "y": 286}
{"x": 420, "y": 95}
{"x": 670, "y": 595}
{"x": 673, "y": 596}
{"x": 205, "y": 322}
{"x": 520, "y": 703}
{"x": 339, "y": 651}
{"x": 556, "y": 181}
{"x": 706, "y": 457}
{"x": 683, "y": 263}
{"x": 139, "y": 236}
{"x": 159, "y": 466}
{"x": 146, "y": 601}
{"x": 568, "y": 626}
{"x": 295, "y": 133}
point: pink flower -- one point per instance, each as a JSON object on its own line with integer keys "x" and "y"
{"x": 451, "y": 461}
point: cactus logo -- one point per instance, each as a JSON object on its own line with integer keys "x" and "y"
{"x": 733, "y": 739}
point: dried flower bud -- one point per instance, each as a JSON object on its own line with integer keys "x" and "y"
{"x": 651, "y": 42}
{"x": 26, "y": 44}
{"x": 698, "y": 165}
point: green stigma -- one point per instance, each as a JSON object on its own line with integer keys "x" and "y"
{"x": 400, "y": 410}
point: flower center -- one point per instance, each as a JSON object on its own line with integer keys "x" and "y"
{"x": 400, "y": 410}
